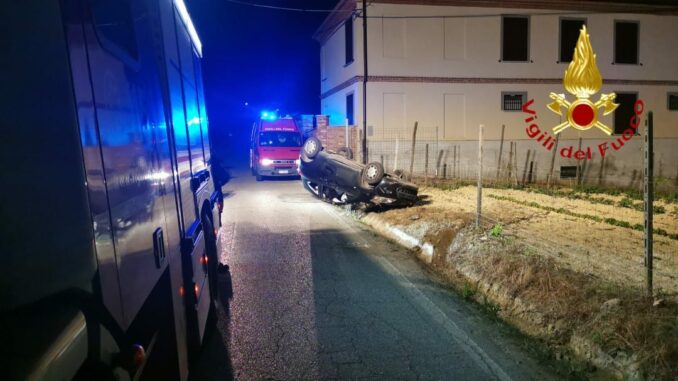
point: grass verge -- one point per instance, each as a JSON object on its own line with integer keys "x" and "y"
{"x": 563, "y": 307}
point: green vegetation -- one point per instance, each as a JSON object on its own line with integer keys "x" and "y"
{"x": 468, "y": 291}
{"x": 610, "y": 221}
{"x": 497, "y": 230}
{"x": 597, "y": 338}
{"x": 491, "y": 307}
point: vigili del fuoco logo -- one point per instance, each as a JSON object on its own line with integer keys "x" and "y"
{"x": 583, "y": 80}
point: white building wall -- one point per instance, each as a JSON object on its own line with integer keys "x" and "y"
{"x": 457, "y": 109}
{"x": 334, "y": 105}
{"x": 447, "y": 65}
{"x": 334, "y": 70}
{"x": 449, "y": 115}
{"x": 470, "y": 46}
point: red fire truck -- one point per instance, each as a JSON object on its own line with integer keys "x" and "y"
{"x": 110, "y": 214}
{"x": 275, "y": 144}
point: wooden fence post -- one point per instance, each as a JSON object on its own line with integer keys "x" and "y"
{"x": 440, "y": 159}
{"x": 510, "y": 161}
{"x": 549, "y": 180}
{"x": 577, "y": 178}
{"x": 527, "y": 160}
{"x": 414, "y": 142}
{"x": 426, "y": 164}
{"x": 501, "y": 149}
{"x": 454, "y": 162}
{"x": 480, "y": 176}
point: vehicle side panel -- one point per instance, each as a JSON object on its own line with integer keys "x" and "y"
{"x": 133, "y": 140}
{"x": 47, "y": 245}
{"x": 204, "y": 122}
{"x": 43, "y": 202}
{"x": 93, "y": 160}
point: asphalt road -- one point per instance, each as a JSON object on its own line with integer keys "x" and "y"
{"x": 312, "y": 294}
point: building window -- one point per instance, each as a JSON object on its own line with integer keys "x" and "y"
{"x": 626, "y": 42}
{"x": 348, "y": 34}
{"x": 568, "y": 171}
{"x": 513, "y": 101}
{"x": 672, "y": 101}
{"x": 515, "y": 38}
{"x": 623, "y": 113}
{"x": 349, "y": 109}
{"x": 569, "y": 34}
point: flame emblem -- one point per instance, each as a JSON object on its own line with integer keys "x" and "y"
{"x": 582, "y": 79}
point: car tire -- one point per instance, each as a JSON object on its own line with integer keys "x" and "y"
{"x": 373, "y": 173}
{"x": 259, "y": 177}
{"x": 346, "y": 152}
{"x": 312, "y": 147}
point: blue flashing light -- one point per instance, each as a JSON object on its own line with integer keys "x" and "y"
{"x": 268, "y": 115}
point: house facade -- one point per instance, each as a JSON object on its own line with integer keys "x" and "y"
{"x": 452, "y": 66}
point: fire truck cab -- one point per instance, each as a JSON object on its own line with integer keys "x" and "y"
{"x": 275, "y": 144}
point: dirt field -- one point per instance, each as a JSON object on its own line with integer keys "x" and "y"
{"x": 560, "y": 227}
{"x": 564, "y": 266}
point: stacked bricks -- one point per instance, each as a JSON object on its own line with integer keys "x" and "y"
{"x": 307, "y": 125}
{"x": 334, "y": 138}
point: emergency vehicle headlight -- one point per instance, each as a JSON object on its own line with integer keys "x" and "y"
{"x": 266, "y": 162}
{"x": 297, "y": 162}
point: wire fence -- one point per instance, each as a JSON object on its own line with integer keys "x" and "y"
{"x": 429, "y": 153}
{"x": 426, "y": 157}
{"x": 622, "y": 272}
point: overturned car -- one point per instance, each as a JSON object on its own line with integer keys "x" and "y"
{"x": 334, "y": 178}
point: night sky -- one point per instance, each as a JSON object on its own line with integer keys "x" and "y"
{"x": 261, "y": 56}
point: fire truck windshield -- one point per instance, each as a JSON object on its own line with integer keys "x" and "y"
{"x": 279, "y": 139}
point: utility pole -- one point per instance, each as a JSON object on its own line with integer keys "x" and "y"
{"x": 364, "y": 140}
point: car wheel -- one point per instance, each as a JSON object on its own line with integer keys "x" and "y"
{"x": 260, "y": 178}
{"x": 373, "y": 173}
{"x": 312, "y": 147}
{"x": 346, "y": 152}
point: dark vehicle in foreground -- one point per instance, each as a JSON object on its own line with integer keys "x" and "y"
{"x": 334, "y": 178}
{"x": 108, "y": 251}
